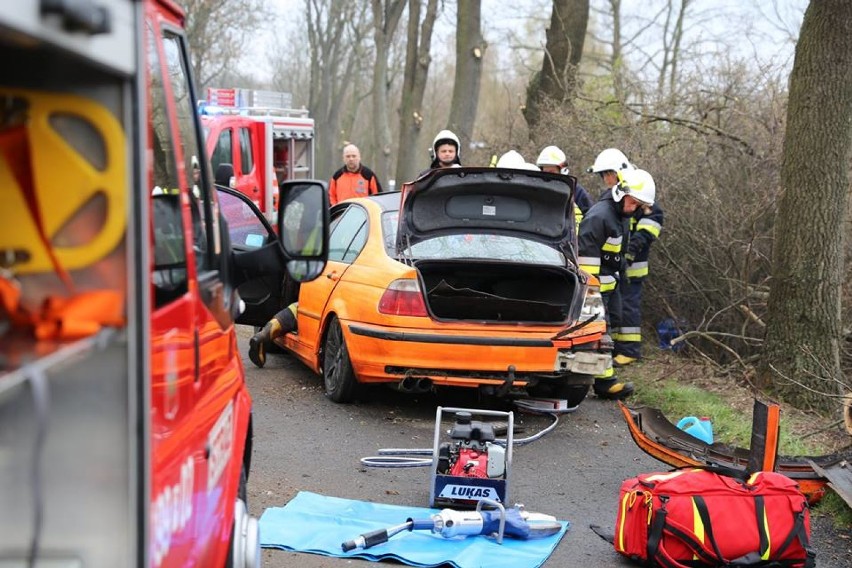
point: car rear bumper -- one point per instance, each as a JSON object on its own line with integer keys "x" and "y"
{"x": 381, "y": 354}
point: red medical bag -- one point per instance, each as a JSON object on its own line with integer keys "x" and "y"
{"x": 697, "y": 517}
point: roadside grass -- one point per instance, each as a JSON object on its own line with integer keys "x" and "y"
{"x": 682, "y": 387}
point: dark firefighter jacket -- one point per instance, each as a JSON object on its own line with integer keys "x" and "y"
{"x": 601, "y": 240}
{"x": 582, "y": 203}
{"x": 644, "y": 230}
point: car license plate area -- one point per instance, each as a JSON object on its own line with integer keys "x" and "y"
{"x": 583, "y": 362}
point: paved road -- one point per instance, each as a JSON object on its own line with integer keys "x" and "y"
{"x": 303, "y": 441}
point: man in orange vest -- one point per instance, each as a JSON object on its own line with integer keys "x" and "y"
{"x": 354, "y": 179}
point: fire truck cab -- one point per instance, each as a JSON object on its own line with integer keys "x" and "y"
{"x": 255, "y": 141}
{"x": 125, "y": 417}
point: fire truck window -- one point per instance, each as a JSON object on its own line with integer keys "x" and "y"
{"x": 186, "y": 121}
{"x": 169, "y": 276}
{"x": 222, "y": 152}
{"x": 246, "y": 159}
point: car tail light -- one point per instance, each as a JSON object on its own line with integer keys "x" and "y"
{"x": 403, "y": 298}
{"x": 593, "y": 306}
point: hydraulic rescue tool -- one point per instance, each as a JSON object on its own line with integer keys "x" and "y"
{"x": 473, "y": 465}
{"x": 516, "y": 523}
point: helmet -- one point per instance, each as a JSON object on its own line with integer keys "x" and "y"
{"x": 513, "y": 160}
{"x": 636, "y": 183}
{"x": 444, "y": 137}
{"x": 610, "y": 159}
{"x": 551, "y": 156}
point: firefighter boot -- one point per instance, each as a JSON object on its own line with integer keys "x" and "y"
{"x": 623, "y": 360}
{"x": 258, "y": 342}
{"x": 612, "y": 389}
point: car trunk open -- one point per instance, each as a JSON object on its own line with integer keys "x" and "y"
{"x": 499, "y": 292}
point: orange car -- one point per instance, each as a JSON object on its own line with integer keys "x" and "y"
{"x": 468, "y": 277}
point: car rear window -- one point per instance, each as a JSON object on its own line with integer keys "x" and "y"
{"x": 472, "y": 245}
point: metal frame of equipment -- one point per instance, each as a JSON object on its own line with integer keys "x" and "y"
{"x": 494, "y": 489}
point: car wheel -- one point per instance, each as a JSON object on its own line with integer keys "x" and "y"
{"x": 337, "y": 372}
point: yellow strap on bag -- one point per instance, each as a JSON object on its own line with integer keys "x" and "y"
{"x": 62, "y": 165}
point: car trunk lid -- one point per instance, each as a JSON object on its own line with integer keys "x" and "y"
{"x": 520, "y": 203}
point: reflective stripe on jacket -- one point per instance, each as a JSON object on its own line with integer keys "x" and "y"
{"x": 644, "y": 230}
{"x": 601, "y": 241}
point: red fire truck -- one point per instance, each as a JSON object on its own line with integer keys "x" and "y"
{"x": 125, "y": 418}
{"x": 255, "y": 141}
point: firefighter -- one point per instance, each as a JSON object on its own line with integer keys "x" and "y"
{"x": 553, "y": 160}
{"x": 645, "y": 227}
{"x": 281, "y": 324}
{"x": 607, "y": 165}
{"x": 354, "y": 179}
{"x": 513, "y": 160}
{"x": 445, "y": 151}
{"x": 601, "y": 241}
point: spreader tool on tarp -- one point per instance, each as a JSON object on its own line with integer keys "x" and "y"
{"x": 317, "y": 524}
{"x": 516, "y": 523}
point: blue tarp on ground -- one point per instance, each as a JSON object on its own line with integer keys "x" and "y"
{"x": 318, "y": 524}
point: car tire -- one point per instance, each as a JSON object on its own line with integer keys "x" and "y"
{"x": 337, "y": 372}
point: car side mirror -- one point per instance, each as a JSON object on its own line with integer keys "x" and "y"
{"x": 303, "y": 221}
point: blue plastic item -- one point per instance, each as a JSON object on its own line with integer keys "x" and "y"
{"x": 701, "y": 428}
{"x": 667, "y": 330}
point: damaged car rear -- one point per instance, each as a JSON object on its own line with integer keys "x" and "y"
{"x": 468, "y": 278}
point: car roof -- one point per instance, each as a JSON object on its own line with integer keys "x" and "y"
{"x": 388, "y": 201}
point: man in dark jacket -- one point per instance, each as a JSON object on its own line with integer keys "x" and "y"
{"x": 602, "y": 241}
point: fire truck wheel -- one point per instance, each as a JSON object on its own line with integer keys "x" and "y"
{"x": 337, "y": 372}
{"x": 244, "y": 548}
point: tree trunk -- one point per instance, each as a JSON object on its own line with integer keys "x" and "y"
{"x": 470, "y": 50}
{"x": 616, "y": 55}
{"x": 672, "y": 37}
{"x": 334, "y": 62}
{"x": 800, "y": 359}
{"x": 556, "y": 81}
{"x": 417, "y": 61}
{"x": 385, "y": 20}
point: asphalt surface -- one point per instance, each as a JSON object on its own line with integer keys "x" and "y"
{"x": 305, "y": 442}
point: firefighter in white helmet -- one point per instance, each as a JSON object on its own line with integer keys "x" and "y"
{"x": 645, "y": 227}
{"x": 602, "y": 242}
{"x": 513, "y": 160}
{"x": 553, "y": 160}
{"x": 607, "y": 165}
{"x": 445, "y": 151}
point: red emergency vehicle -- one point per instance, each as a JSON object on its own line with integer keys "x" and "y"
{"x": 125, "y": 418}
{"x": 255, "y": 142}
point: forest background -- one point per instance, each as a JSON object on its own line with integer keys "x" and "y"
{"x": 741, "y": 110}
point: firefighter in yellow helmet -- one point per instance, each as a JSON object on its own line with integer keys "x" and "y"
{"x": 602, "y": 243}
